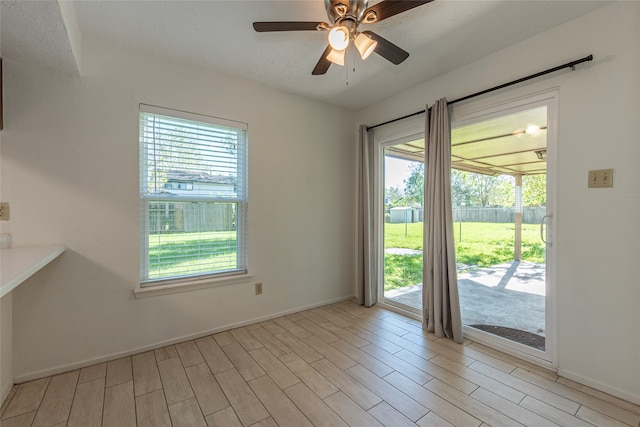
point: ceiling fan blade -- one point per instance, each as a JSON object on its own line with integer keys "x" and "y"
{"x": 388, "y": 8}
{"x": 388, "y": 50}
{"x": 262, "y": 27}
{"x": 323, "y": 63}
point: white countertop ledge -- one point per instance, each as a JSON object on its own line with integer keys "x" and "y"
{"x": 19, "y": 263}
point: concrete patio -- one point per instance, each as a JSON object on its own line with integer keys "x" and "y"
{"x": 510, "y": 295}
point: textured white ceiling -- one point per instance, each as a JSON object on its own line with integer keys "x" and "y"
{"x": 440, "y": 36}
{"x": 33, "y": 32}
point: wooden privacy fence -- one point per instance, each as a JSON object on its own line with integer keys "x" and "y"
{"x": 189, "y": 217}
{"x": 529, "y": 215}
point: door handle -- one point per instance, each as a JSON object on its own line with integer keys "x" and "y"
{"x": 542, "y": 221}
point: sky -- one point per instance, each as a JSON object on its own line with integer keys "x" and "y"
{"x": 396, "y": 171}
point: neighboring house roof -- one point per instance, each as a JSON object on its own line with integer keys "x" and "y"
{"x": 162, "y": 193}
{"x": 203, "y": 177}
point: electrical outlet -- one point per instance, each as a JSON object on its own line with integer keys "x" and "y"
{"x": 601, "y": 178}
{"x": 258, "y": 288}
{"x": 4, "y": 211}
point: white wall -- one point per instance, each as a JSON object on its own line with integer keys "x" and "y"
{"x": 70, "y": 171}
{"x": 598, "y": 275}
{"x": 6, "y": 345}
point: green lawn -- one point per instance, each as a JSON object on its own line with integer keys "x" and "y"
{"x": 182, "y": 253}
{"x": 482, "y": 244}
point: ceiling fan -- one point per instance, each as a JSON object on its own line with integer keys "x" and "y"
{"x": 346, "y": 16}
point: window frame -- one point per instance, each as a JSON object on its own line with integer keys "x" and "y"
{"x": 196, "y": 280}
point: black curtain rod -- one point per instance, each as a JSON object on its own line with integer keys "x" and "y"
{"x": 571, "y": 65}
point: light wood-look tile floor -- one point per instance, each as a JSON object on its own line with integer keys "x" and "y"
{"x": 337, "y": 365}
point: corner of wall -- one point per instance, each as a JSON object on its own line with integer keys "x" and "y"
{"x": 6, "y": 346}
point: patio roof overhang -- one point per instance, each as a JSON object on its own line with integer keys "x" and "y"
{"x": 505, "y": 145}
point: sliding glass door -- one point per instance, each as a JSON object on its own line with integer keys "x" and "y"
{"x": 503, "y": 175}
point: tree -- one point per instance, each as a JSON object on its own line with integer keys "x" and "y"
{"x": 504, "y": 192}
{"x": 460, "y": 192}
{"x": 473, "y": 189}
{"x": 168, "y": 148}
{"x": 534, "y": 190}
{"x": 172, "y": 146}
{"x": 414, "y": 185}
{"x": 482, "y": 187}
{"x": 393, "y": 197}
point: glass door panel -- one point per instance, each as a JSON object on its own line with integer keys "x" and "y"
{"x": 403, "y": 180}
{"x": 499, "y": 182}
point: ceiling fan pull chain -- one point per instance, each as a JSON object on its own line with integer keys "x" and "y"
{"x": 347, "y": 67}
{"x": 354, "y": 62}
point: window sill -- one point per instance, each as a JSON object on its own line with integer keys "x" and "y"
{"x": 193, "y": 285}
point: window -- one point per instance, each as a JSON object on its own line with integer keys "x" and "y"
{"x": 193, "y": 194}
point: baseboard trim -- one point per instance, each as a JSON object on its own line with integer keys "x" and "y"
{"x": 89, "y": 362}
{"x": 599, "y": 386}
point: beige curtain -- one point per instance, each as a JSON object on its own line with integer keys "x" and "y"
{"x": 367, "y": 266}
{"x": 440, "y": 302}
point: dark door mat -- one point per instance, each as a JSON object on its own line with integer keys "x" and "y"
{"x": 522, "y": 337}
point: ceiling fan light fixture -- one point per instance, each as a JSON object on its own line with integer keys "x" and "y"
{"x": 336, "y": 56}
{"x": 370, "y": 17}
{"x": 341, "y": 9}
{"x": 365, "y": 45}
{"x": 339, "y": 37}
{"x": 532, "y": 129}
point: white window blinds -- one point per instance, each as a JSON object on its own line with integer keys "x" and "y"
{"x": 193, "y": 191}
